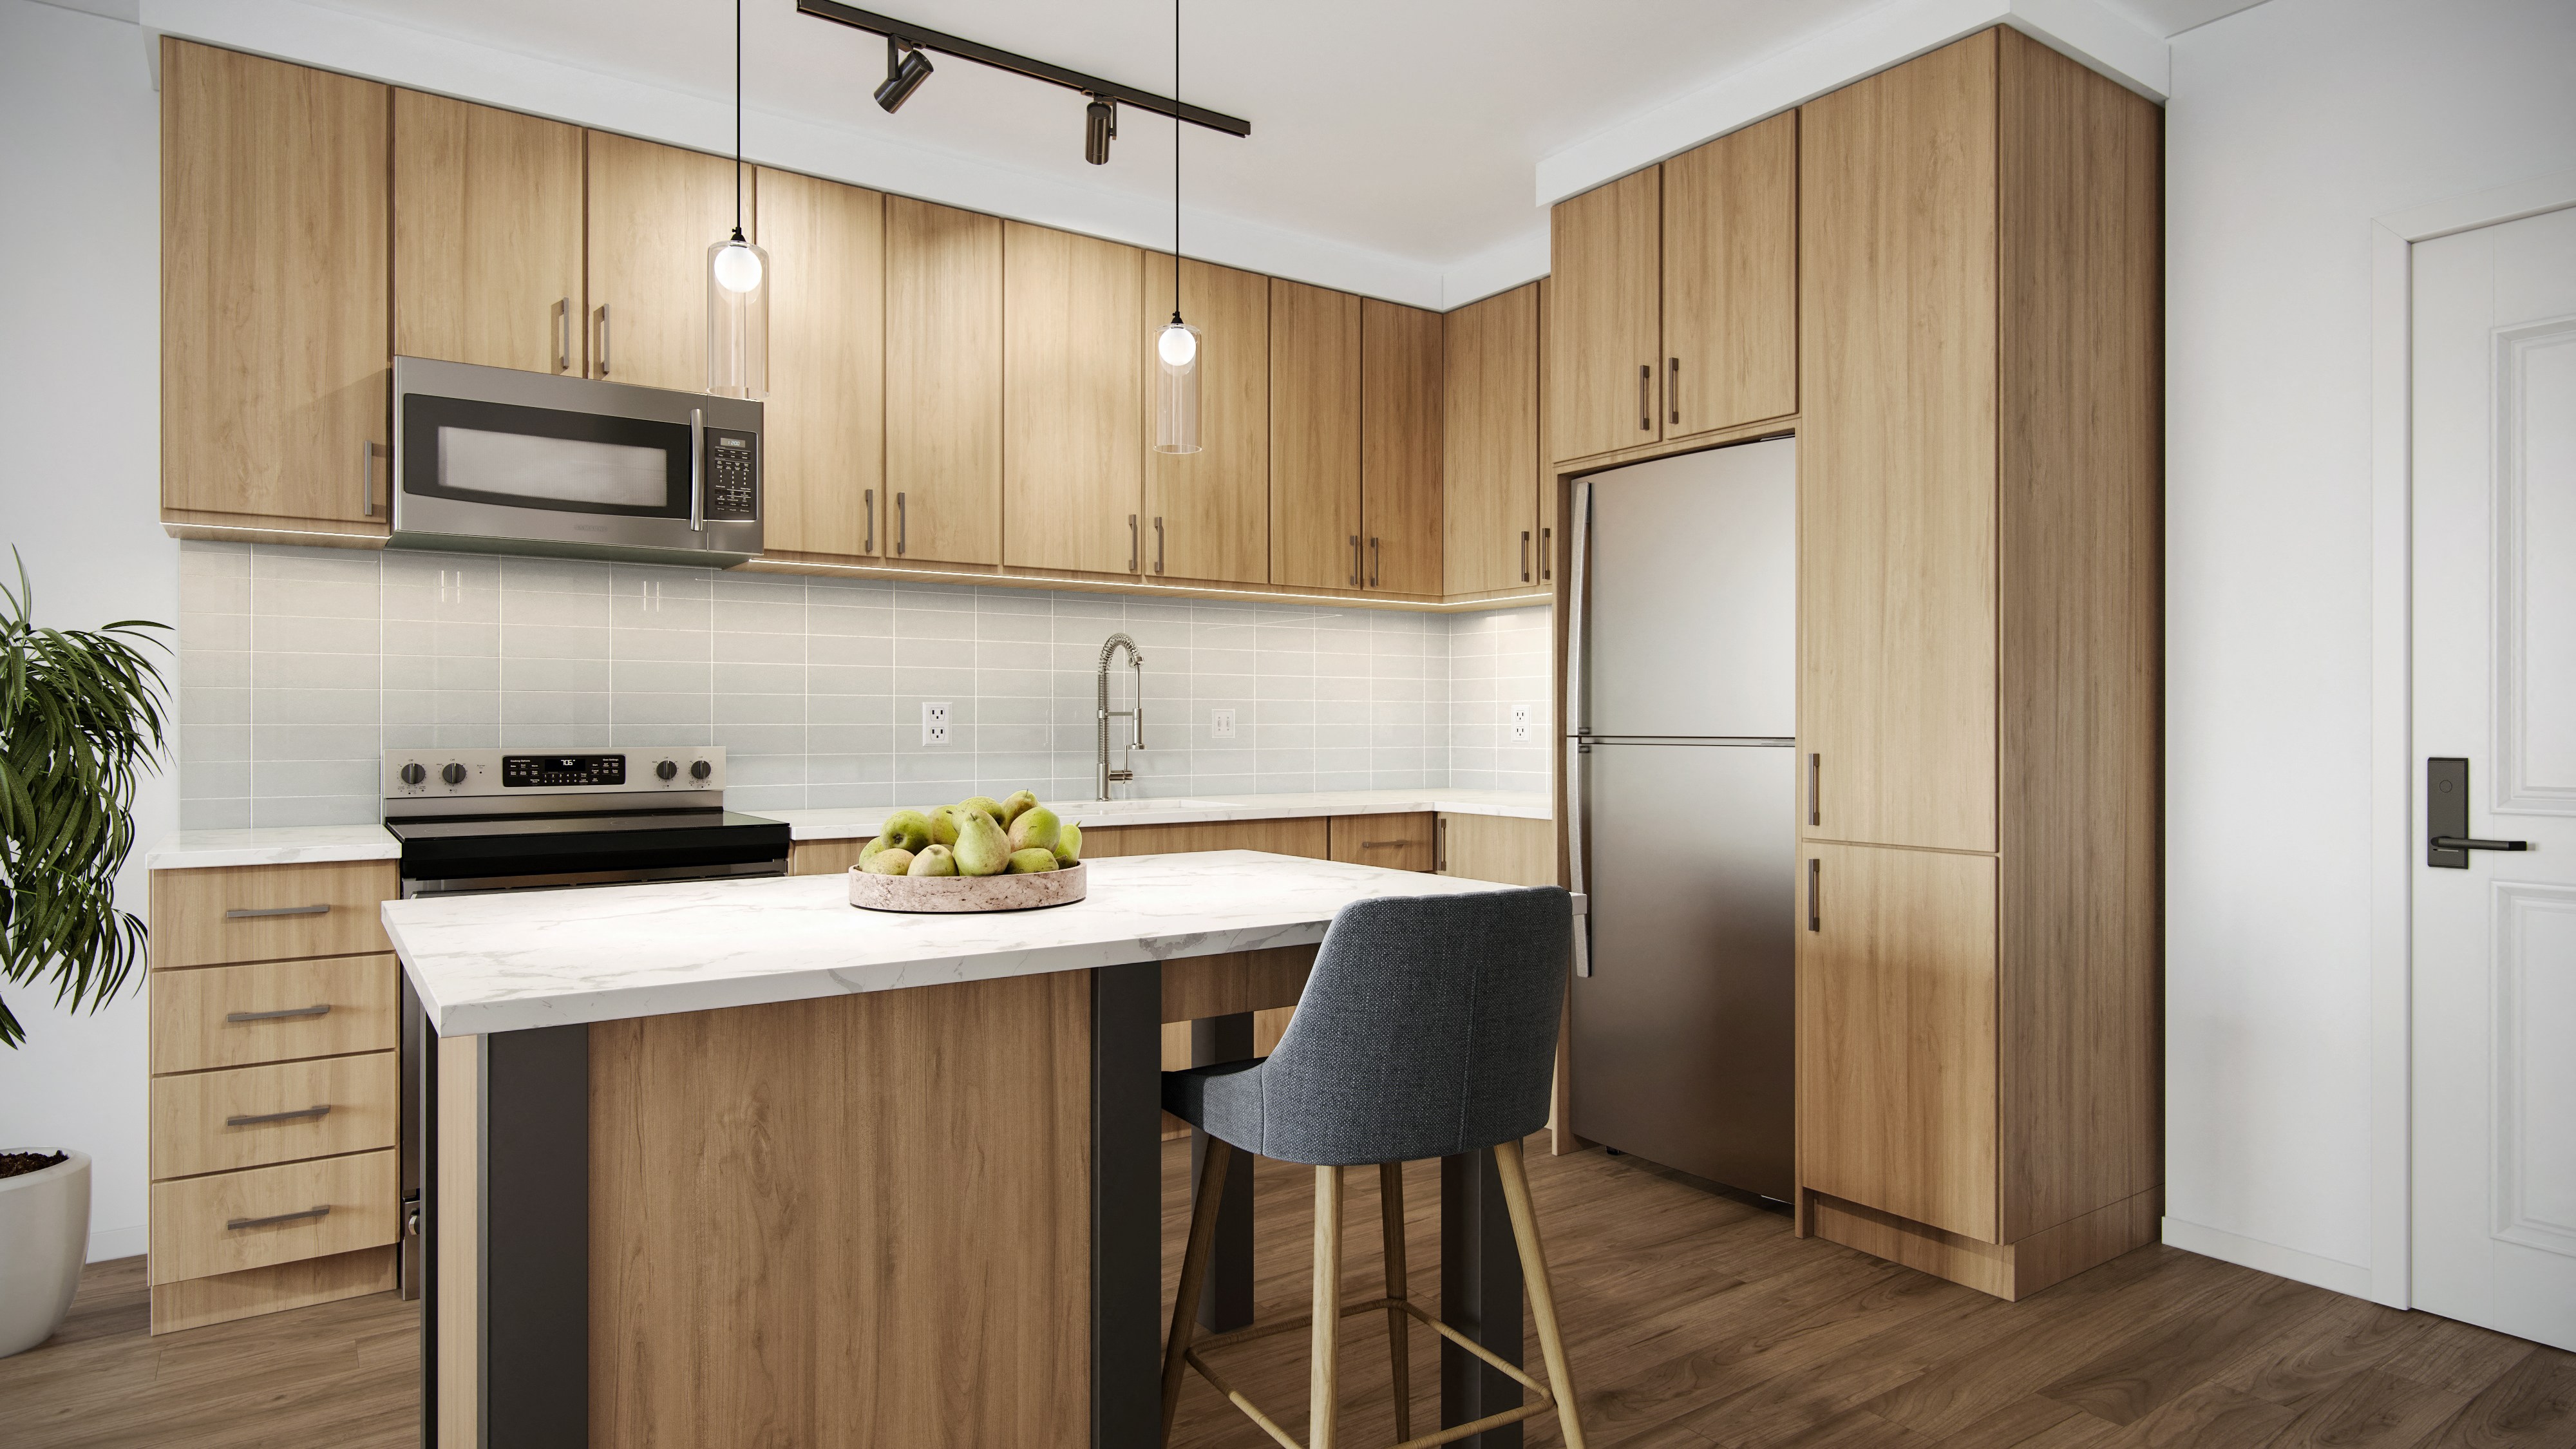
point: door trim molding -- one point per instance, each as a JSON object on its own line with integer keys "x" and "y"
{"x": 2392, "y": 793}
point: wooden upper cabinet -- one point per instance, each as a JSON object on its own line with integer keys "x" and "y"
{"x": 654, "y": 211}
{"x": 943, "y": 383}
{"x": 1605, "y": 315}
{"x": 275, "y": 344}
{"x": 1731, "y": 280}
{"x": 1897, "y": 454}
{"x": 1314, "y": 436}
{"x": 1400, "y": 427}
{"x": 1208, "y": 512}
{"x": 1490, "y": 442}
{"x": 823, "y": 428}
{"x": 487, "y": 236}
{"x": 1073, "y": 438}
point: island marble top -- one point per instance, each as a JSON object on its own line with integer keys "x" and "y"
{"x": 507, "y": 962}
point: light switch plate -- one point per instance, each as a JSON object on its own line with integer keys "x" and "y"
{"x": 1520, "y": 722}
{"x": 1221, "y": 723}
{"x": 934, "y": 722}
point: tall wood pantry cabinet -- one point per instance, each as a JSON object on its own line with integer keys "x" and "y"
{"x": 1979, "y": 567}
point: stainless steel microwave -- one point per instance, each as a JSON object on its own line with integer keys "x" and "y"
{"x": 490, "y": 460}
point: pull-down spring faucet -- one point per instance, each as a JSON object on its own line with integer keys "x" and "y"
{"x": 1135, "y": 717}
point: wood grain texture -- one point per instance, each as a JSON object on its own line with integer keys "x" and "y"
{"x": 1212, "y": 506}
{"x": 190, "y": 1129}
{"x": 2009, "y": 1271}
{"x": 1489, "y": 442}
{"x": 943, "y": 382}
{"x": 933, "y": 1291}
{"x": 1396, "y": 842}
{"x": 1203, "y": 986}
{"x": 1400, "y": 446}
{"x": 1896, "y": 1034}
{"x": 1307, "y": 836}
{"x": 1314, "y": 436}
{"x": 1897, "y": 452}
{"x": 1731, "y": 279}
{"x": 276, "y": 340}
{"x": 487, "y": 236}
{"x": 189, "y": 1010}
{"x": 1605, "y": 284}
{"x": 457, "y": 1218}
{"x": 823, "y": 857}
{"x": 190, "y": 926}
{"x": 1498, "y": 848}
{"x": 654, "y": 210}
{"x": 1073, "y": 435}
{"x": 224, "y": 1297}
{"x": 823, "y": 426}
{"x": 190, "y": 1238}
{"x": 2082, "y": 570}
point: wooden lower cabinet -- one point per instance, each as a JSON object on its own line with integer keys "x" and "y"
{"x": 1397, "y": 842}
{"x": 1495, "y": 847}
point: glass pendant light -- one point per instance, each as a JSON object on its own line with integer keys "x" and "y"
{"x": 737, "y": 282}
{"x": 1176, "y": 347}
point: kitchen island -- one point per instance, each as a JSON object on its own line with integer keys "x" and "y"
{"x": 735, "y": 1163}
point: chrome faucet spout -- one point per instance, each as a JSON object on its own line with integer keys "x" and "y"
{"x": 1135, "y": 716}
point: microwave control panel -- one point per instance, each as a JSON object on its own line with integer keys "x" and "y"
{"x": 733, "y": 476}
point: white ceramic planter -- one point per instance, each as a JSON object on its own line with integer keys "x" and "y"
{"x": 44, "y": 1235}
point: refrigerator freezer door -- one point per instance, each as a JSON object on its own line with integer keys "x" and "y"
{"x": 1682, "y": 1033}
{"x": 1691, "y": 621}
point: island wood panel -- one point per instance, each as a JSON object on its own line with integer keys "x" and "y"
{"x": 190, "y": 1029}
{"x": 654, "y": 211}
{"x": 190, "y": 1217}
{"x": 223, "y": 1297}
{"x": 1204, "y": 986}
{"x": 1489, "y": 443}
{"x": 1401, "y": 403}
{"x": 2081, "y": 639}
{"x": 1073, "y": 445}
{"x": 1208, "y": 512}
{"x": 1314, "y": 436}
{"x": 1605, "y": 317}
{"x": 1897, "y": 453}
{"x": 457, "y": 1218}
{"x": 943, "y": 383}
{"x": 276, "y": 342}
{"x": 1896, "y": 1033}
{"x": 2009, "y": 1271}
{"x": 932, "y": 1289}
{"x": 1397, "y": 842}
{"x": 1498, "y": 848}
{"x": 192, "y": 924}
{"x": 1308, "y": 836}
{"x": 487, "y": 236}
{"x": 1730, "y": 312}
{"x": 191, "y": 1113}
{"x": 823, "y": 427}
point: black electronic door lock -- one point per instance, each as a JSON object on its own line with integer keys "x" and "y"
{"x": 2446, "y": 816}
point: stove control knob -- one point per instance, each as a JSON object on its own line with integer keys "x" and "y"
{"x": 666, "y": 770}
{"x": 413, "y": 774}
{"x": 452, "y": 773}
{"x": 700, "y": 769}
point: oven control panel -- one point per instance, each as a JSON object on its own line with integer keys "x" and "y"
{"x": 558, "y": 772}
{"x": 733, "y": 476}
{"x": 506, "y": 775}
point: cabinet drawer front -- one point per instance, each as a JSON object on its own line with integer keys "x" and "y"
{"x": 1398, "y": 842}
{"x": 269, "y": 912}
{"x": 236, "y": 1016}
{"x": 251, "y": 1219}
{"x": 255, "y": 1116}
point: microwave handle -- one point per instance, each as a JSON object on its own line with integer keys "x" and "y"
{"x": 697, "y": 470}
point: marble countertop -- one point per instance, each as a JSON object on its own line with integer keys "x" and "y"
{"x": 609, "y": 953}
{"x": 276, "y": 845}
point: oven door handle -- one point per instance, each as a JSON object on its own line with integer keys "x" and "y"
{"x": 697, "y": 470}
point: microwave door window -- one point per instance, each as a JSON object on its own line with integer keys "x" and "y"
{"x": 542, "y": 472}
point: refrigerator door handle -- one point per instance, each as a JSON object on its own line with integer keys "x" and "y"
{"x": 1578, "y": 720}
{"x": 1577, "y": 839}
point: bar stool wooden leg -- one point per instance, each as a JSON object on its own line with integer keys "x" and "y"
{"x": 1194, "y": 1263}
{"x": 1323, "y": 1393}
{"x": 1390, "y": 1200}
{"x": 1560, "y": 1378}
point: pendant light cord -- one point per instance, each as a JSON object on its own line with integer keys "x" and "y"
{"x": 1176, "y": 161}
{"x": 737, "y": 118}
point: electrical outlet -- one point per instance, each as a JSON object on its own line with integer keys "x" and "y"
{"x": 1520, "y": 722}
{"x": 934, "y": 722}
{"x": 1221, "y": 723}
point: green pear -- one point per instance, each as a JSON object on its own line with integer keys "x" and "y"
{"x": 893, "y": 860}
{"x": 1017, "y": 803}
{"x": 982, "y": 849}
{"x": 907, "y": 828}
{"x": 943, "y": 825}
{"x": 1068, "y": 844}
{"x": 1036, "y": 829}
{"x": 934, "y": 860}
{"x": 871, "y": 848}
{"x": 1031, "y": 861}
{"x": 985, "y": 803}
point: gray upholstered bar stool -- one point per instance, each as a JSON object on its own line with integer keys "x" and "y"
{"x": 1428, "y": 1029}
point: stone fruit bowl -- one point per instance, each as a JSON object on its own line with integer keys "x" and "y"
{"x": 960, "y": 893}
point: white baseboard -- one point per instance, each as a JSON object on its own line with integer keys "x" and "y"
{"x": 2263, "y": 1257}
{"x": 106, "y": 1243}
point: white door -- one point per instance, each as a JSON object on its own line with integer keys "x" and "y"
{"x": 2495, "y": 685}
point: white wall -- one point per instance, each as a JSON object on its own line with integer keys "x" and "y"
{"x": 2291, "y": 126}
{"x": 80, "y": 342}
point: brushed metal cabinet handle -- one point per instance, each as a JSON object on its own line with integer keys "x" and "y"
{"x": 1383, "y": 844}
{"x": 1375, "y": 559}
{"x": 367, "y": 478}
{"x": 1134, "y": 541}
{"x": 263, "y": 1119}
{"x": 1355, "y": 560}
{"x": 1440, "y": 844}
{"x": 265, "y": 912}
{"x": 603, "y": 339}
{"x": 235, "y": 1225}
{"x": 1815, "y": 881}
{"x": 1645, "y": 397}
{"x": 1525, "y": 578}
{"x": 1673, "y": 392}
{"x": 563, "y": 335}
{"x": 697, "y": 470}
{"x": 868, "y": 500}
{"x": 1815, "y": 786}
{"x": 902, "y": 525}
{"x": 1158, "y": 543}
{"x": 289, "y": 1014}
{"x": 1546, "y": 554}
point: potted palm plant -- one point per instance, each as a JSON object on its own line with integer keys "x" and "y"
{"x": 80, "y": 717}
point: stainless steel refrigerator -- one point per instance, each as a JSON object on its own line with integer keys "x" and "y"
{"x": 1681, "y": 777}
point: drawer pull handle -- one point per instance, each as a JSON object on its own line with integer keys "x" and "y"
{"x": 289, "y": 1013}
{"x": 235, "y": 1225}
{"x": 267, "y": 911}
{"x": 264, "y": 1118}
{"x": 1384, "y": 844}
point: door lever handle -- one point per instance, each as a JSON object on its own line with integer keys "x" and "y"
{"x": 2462, "y": 842}
{"x": 2446, "y": 816}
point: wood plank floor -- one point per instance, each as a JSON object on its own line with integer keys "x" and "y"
{"x": 1693, "y": 1320}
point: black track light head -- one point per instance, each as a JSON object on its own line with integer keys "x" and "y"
{"x": 906, "y": 69}
{"x": 1099, "y": 128}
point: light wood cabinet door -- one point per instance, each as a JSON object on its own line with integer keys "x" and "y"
{"x": 823, "y": 427}
{"x": 1397, "y": 842}
{"x": 1731, "y": 280}
{"x": 1896, "y": 1032}
{"x": 1897, "y": 455}
{"x": 1073, "y": 443}
{"x": 487, "y": 236}
{"x": 275, "y": 345}
{"x": 1490, "y": 444}
{"x": 943, "y": 383}
{"x": 1208, "y": 512}
{"x": 1314, "y": 436}
{"x": 1604, "y": 339}
{"x": 654, "y": 211}
{"x": 1400, "y": 427}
